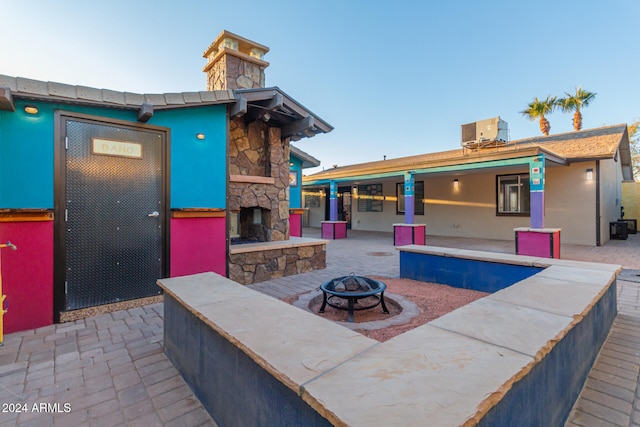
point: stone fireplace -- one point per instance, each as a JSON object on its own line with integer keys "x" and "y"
{"x": 252, "y": 225}
{"x": 259, "y": 179}
{"x": 261, "y": 124}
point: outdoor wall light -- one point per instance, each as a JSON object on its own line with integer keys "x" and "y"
{"x": 456, "y": 184}
{"x": 589, "y": 174}
{"x": 200, "y": 136}
{"x": 31, "y": 109}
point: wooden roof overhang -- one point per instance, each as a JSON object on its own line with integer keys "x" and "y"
{"x": 452, "y": 165}
{"x": 279, "y": 109}
{"x": 308, "y": 161}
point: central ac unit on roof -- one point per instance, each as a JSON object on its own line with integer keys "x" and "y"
{"x": 478, "y": 134}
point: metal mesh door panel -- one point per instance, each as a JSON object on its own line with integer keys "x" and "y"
{"x": 113, "y": 248}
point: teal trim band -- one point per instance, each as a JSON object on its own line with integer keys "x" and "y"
{"x": 452, "y": 168}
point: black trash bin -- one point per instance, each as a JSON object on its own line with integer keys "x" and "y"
{"x": 632, "y": 225}
{"x": 618, "y": 230}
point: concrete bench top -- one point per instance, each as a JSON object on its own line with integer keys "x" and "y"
{"x": 449, "y": 371}
{"x": 293, "y": 242}
{"x": 290, "y": 344}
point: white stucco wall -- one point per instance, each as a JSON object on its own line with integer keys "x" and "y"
{"x": 570, "y": 202}
{"x": 610, "y": 195}
{"x": 470, "y": 211}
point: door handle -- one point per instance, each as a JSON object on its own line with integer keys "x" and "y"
{"x": 154, "y": 214}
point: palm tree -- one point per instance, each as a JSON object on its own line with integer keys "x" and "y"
{"x": 538, "y": 109}
{"x": 582, "y": 98}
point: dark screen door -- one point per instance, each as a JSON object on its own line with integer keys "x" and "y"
{"x": 115, "y": 220}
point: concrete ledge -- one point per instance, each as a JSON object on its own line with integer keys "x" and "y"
{"x": 516, "y": 357}
{"x": 293, "y": 242}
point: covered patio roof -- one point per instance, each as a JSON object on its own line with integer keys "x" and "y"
{"x": 558, "y": 150}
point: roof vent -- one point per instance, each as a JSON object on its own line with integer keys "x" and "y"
{"x": 487, "y": 133}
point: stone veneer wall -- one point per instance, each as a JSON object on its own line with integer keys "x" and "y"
{"x": 256, "y": 149}
{"x": 231, "y": 72}
{"x": 262, "y": 265}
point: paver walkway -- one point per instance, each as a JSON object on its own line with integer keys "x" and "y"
{"x": 110, "y": 370}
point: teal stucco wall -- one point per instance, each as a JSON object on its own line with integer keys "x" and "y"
{"x": 295, "y": 192}
{"x": 197, "y": 167}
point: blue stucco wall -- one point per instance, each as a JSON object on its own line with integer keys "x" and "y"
{"x": 295, "y": 192}
{"x": 546, "y": 395}
{"x": 463, "y": 273}
{"x": 198, "y": 167}
{"x": 197, "y": 172}
{"x": 234, "y": 389}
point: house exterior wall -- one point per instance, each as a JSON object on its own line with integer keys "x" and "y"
{"x": 470, "y": 211}
{"x": 197, "y": 170}
{"x": 631, "y": 199}
{"x": 316, "y": 213}
{"x": 610, "y": 195}
{"x": 295, "y": 191}
{"x": 570, "y": 203}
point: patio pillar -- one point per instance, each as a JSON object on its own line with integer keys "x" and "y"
{"x": 333, "y": 201}
{"x": 537, "y": 240}
{"x": 409, "y": 233}
{"x": 334, "y": 228}
{"x": 409, "y": 198}
{"x": 536, "y": 185}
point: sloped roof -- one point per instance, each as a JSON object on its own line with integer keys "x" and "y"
{"x": 24, "y": 88}
{"x": 564, "y": 148}
{"x": 308, "y": 161}
{"x": 295, "y": 120}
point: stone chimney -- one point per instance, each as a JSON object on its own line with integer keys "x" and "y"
{"x": 234, "y": 62}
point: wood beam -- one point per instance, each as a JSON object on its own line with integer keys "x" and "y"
{"x": 276, "y": 102}
{"x": 6, "y": 100}
{"x": 145, "y": 113}
{"x": 297, "y": 127}
{"x": 239, "y": 108}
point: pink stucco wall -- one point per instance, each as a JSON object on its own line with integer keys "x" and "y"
{"x": 295, "y": 225}
{"x": 198, "y": 245}
{"x": 538, "y": 244}
{"x": 27, "y": 274}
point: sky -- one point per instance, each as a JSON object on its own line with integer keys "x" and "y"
{"x": 394, "y": 79}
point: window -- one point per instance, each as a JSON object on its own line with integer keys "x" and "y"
{"x": 513, "y": 194}
{"x": 311, "y": 200}
{"x": 370, "y": 198}
{"x": 418, "y": 207}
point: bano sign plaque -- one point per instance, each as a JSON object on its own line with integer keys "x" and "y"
{"x": 107, "y": 147}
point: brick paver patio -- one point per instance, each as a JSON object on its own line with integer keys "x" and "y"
{"x": 110, "y": 370}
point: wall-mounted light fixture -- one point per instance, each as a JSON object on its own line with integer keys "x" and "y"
{"x": 200, "y": 136}
{"x": 589, "y": 174}
{"x": 31, "y": 109}
{"x": 456, "y": 184}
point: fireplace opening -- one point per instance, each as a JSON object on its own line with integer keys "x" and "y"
{"x": 253, "y": 225}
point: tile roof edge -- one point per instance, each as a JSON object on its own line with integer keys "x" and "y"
{"x": 19, "y": 86}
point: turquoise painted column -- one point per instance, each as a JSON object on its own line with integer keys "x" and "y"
{"x": 409, "y": 198}
{"x": 333, "y": 201}
{"x": 536, "y": 186}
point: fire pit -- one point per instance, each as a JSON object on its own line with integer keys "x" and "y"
{"x": 352, "y": 288}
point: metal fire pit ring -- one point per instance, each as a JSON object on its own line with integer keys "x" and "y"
{"x": 352, "y": 288}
